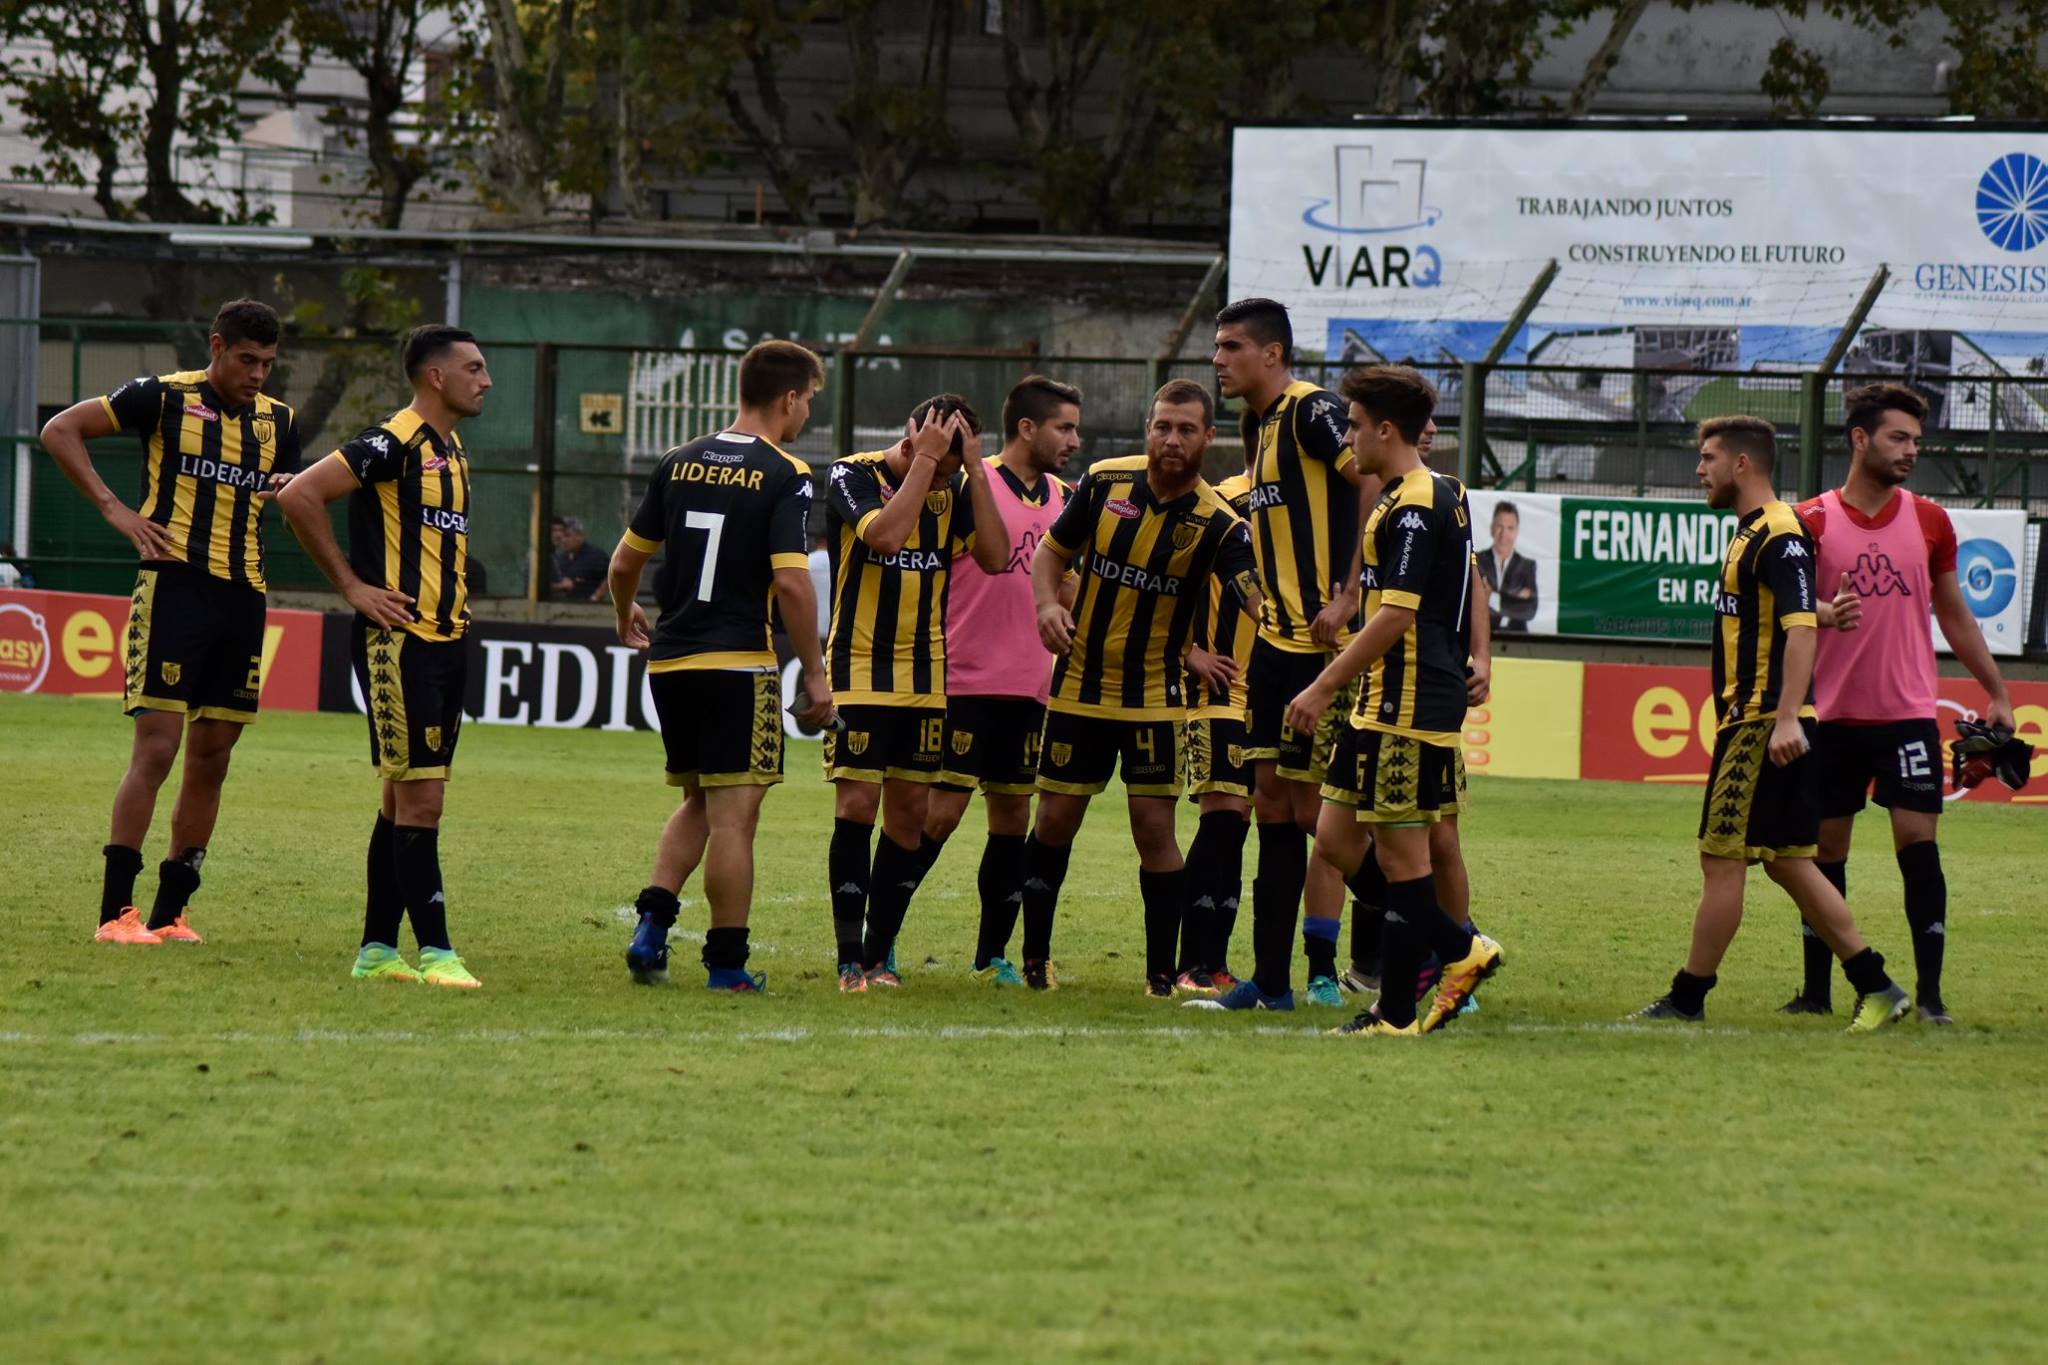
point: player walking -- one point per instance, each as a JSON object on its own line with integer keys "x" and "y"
{"x": 1760, "y": 803}
{"x": 1144, "y": 533}
{"x": 997, "y": 673}
{"x": 215, "y": 448}
{"x": 1892, "y": 555}
{"x": 406, "y": 576}
{"x": 733, "y": 511}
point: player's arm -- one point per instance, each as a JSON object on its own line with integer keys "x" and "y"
{"x": 285, "y": 467}
{"x": 304, "y": 504}
{"x": 1413, "y": 545}
{"x": 789, "y": 561}
{"x": 1966, "y": 641}
{"x": 1320, "y": 436}
{"x": 1051, "y": 564}
{"x": 1787, "y": 566}
{"x": 638, "y": 543}
{"x": 886, "y": 527}
{"x": 991, "y": 546}
{"x": 65, "y": 435}
{"x": 1479, "y": 670}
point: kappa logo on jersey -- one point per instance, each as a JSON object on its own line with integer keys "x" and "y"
{"x": 1121, "y": 507}
{"x": 1795, "y": 551}
{"x": 195, "y": 408}
{"x": 1411, "y": 522}
{"x": 1876, "y": 576}
{"x": 717, "y": 456}
{"x": 379, "y": 443}
{"x": 1326, "y": 411}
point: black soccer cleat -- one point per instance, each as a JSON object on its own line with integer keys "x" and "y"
{"x": 1936, "y": 1013}
{"x": 1663, "y": 1008}
{"x": 1805, "y": 1004}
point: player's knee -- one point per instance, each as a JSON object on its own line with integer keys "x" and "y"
{"x": 418, "y": 804}
{"x": 153, "y": 756}
{"x": 940, "y": 822}
{"x": 857, "y": 801}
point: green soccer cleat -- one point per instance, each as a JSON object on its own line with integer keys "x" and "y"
{"x": 375, "y": 962}
{"x": 441, "y": 967}
{"x": 1881, "y": 1009}
{"x": 998, "y": 972}
{"x": 1323, "y": 990}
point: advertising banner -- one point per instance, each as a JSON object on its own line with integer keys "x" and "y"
{"x": 1678, "y": 246}
{"x": 70, "y": 644}
{"x": 1653, "y": 723}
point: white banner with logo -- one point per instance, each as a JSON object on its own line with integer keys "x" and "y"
{"x": 1678, "y": 247}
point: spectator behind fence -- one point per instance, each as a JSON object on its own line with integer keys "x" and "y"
{"x": 12, "y": 575}
{"x": 581, "y": 569}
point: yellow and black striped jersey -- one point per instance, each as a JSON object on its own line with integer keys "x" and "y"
{"x": 1765, "y": 589}
{"x": 408, "y": 520}
{"x": 1221, "y": 628}
{"x": 1418, "y": 555}
{"x": 1304, "y": 511}
{"x": 1144, "y": 568}
{"x": 730, "y": 509}
{"x": 202, "y": 466}
{"x": 888, "y": 643}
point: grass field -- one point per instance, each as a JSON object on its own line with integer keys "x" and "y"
{"x": 233, "y": 1152}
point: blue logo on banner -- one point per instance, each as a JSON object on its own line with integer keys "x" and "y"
{"x": 1988, "y": 576}
{"x": 2012, "y": 202}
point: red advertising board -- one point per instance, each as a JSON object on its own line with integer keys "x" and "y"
{"x": 1655, "y": 723}
{"x": 69, "y": 643}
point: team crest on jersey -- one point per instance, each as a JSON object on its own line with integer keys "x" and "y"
{"x": 937, "y": 503}
{"x": 171, "y": 672}
{"x": 195, "y": 408}
{"x": 433, "y": 734}
{"x": 1121, "y": 507}
{"x": 1062, "y": 754}
{"x": 962, "y": 741}
{"x": 1186, "y": 534}
{"x": 856, "y": 742}
{"x": 262, "y": 428}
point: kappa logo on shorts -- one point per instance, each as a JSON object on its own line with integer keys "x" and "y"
{"x": 171, "y": 672}
{"x": 1121, "y": 507}
{"x": 963, "y": 740}
{"x": 433, "y": 734}
{"x": 1062, "y": 754}
{"x": 1186, "y": 534}
{"x": 856, "y": 742}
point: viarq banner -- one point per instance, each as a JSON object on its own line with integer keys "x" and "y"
{"x": 1644, "y": 568}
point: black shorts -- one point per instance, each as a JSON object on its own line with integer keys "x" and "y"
{"x": 194, "y": 645}
{"x": 1079, "y": 753}
{"x": 901, "y": 743}
{"x": 992, "y": 743}
{"x": 1903, "y": 758}
{"x": 1390, "y": 779}
{"x": 414, "y": 690}
{"x": 1218, "y": 758}
{"x": 720, "y": 727}
{"x": 1754, "y": 809}
{"x": 1274, "y": 678}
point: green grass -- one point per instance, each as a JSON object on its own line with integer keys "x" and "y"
{"x": 234, "y": 1152}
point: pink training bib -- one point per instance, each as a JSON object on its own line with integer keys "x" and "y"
{"x": 1884, "y": 669}
{"x": 992, "y": 645}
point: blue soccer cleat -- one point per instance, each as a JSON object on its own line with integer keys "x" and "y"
{"x": 738, "y": 980}
{"x": 647, "y": 954}
{"x": 1245, "y": 995}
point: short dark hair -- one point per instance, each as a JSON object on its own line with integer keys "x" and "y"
{"x": 242, "y": 320}
{"x": 1505, "y": 506}
{"x": 773, "y": 368}
{"x": 1035, "y": 399}
{"x": 1186, "y": 391}
{"x": 1745, "y": 435}
{"x": 1864, "y": 409}
{"x": 1266, "y": 321}
{"x": 1392, "y": 393}
{"x": 945, "y": 405}
{"x": 425, "y": 343}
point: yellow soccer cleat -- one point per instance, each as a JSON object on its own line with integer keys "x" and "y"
{"x": 1368, "y": 1024}
{"x": 441, "y": 967}
{"x": 375, "y": 962}
{"x": 1460, "y": 980}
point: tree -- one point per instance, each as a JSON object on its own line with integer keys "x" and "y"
{"x": 379, "y": 40}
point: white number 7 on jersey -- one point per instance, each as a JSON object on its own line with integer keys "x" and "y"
{"x": 713, "y": 525}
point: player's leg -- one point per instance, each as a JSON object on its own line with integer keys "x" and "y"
{"x": 1162, "y": 887}
{"x": 960, "y": 766}
{"x": 898, "y": 868}
{"x": 1841, "y": 759}
{"x": 1909, "y": 786}
{"x": 1368, "y": 887}
{"x": 208, "y": 746}
{"x": 856, "y": 803}
{"x": 1879, "y": 1001}
{"x": 999, "y": 884}
{"x": 1076, "y": 755}
{"x": 1323, "y": 884}
{"x": 159, "y": 680}
{"x": 1215, "y": 876}
{"x": 433, "y": 677}
{"x": 731, "y": 815}
{"x": 1280, "y": 868}
{"x": 1725, "y": 850}
{"x": 152, "y": 751}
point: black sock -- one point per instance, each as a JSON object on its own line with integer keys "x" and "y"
{"x": 846, "y": 864}
{"x": 1927, "y": 913}
{"x": 895, "y": 880}
{"x": 1816, "y": 958}
{"x": 419, "y": 883}
{"x": 1229, "y": 885}
{"x": 1276, "y": 901}
{"x": 1001, "y": 885}
{"x": 1689, "y": 992}
{"x": 1866, "y": 972}
{"x": 1045, "y": 867}
{"x": 1215, "y": 866}
{"x": 1448, "y": 939}
{"x": 117, "y": 883}
{"x": 1163, "y": 894}
{"x": 725, "y": 949}
{"x": 383, "y": 903}
{"x": 928, "y": 850}
{"x": 1403, "y": 947}
{"x": 661, "y": 903}
{"x": 1368, "y": 913}
{"x": 176, "y": 879}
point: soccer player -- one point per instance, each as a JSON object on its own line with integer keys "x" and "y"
{"x": 407, "y": 479}
{"x": 897, "y": 517}
{"x": 215, "y": 448}
{"x": 1305, "y": 513}
{"x": 1892, "y": 557}
{"x": 1145, "y": 533}
{"x": 1219, "y": 774}
{"x": 734, "y": 512}
{"x": 997, "y": 672}
{"x": 1396, "y": 763}
{"x": 1760, "y": 803}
